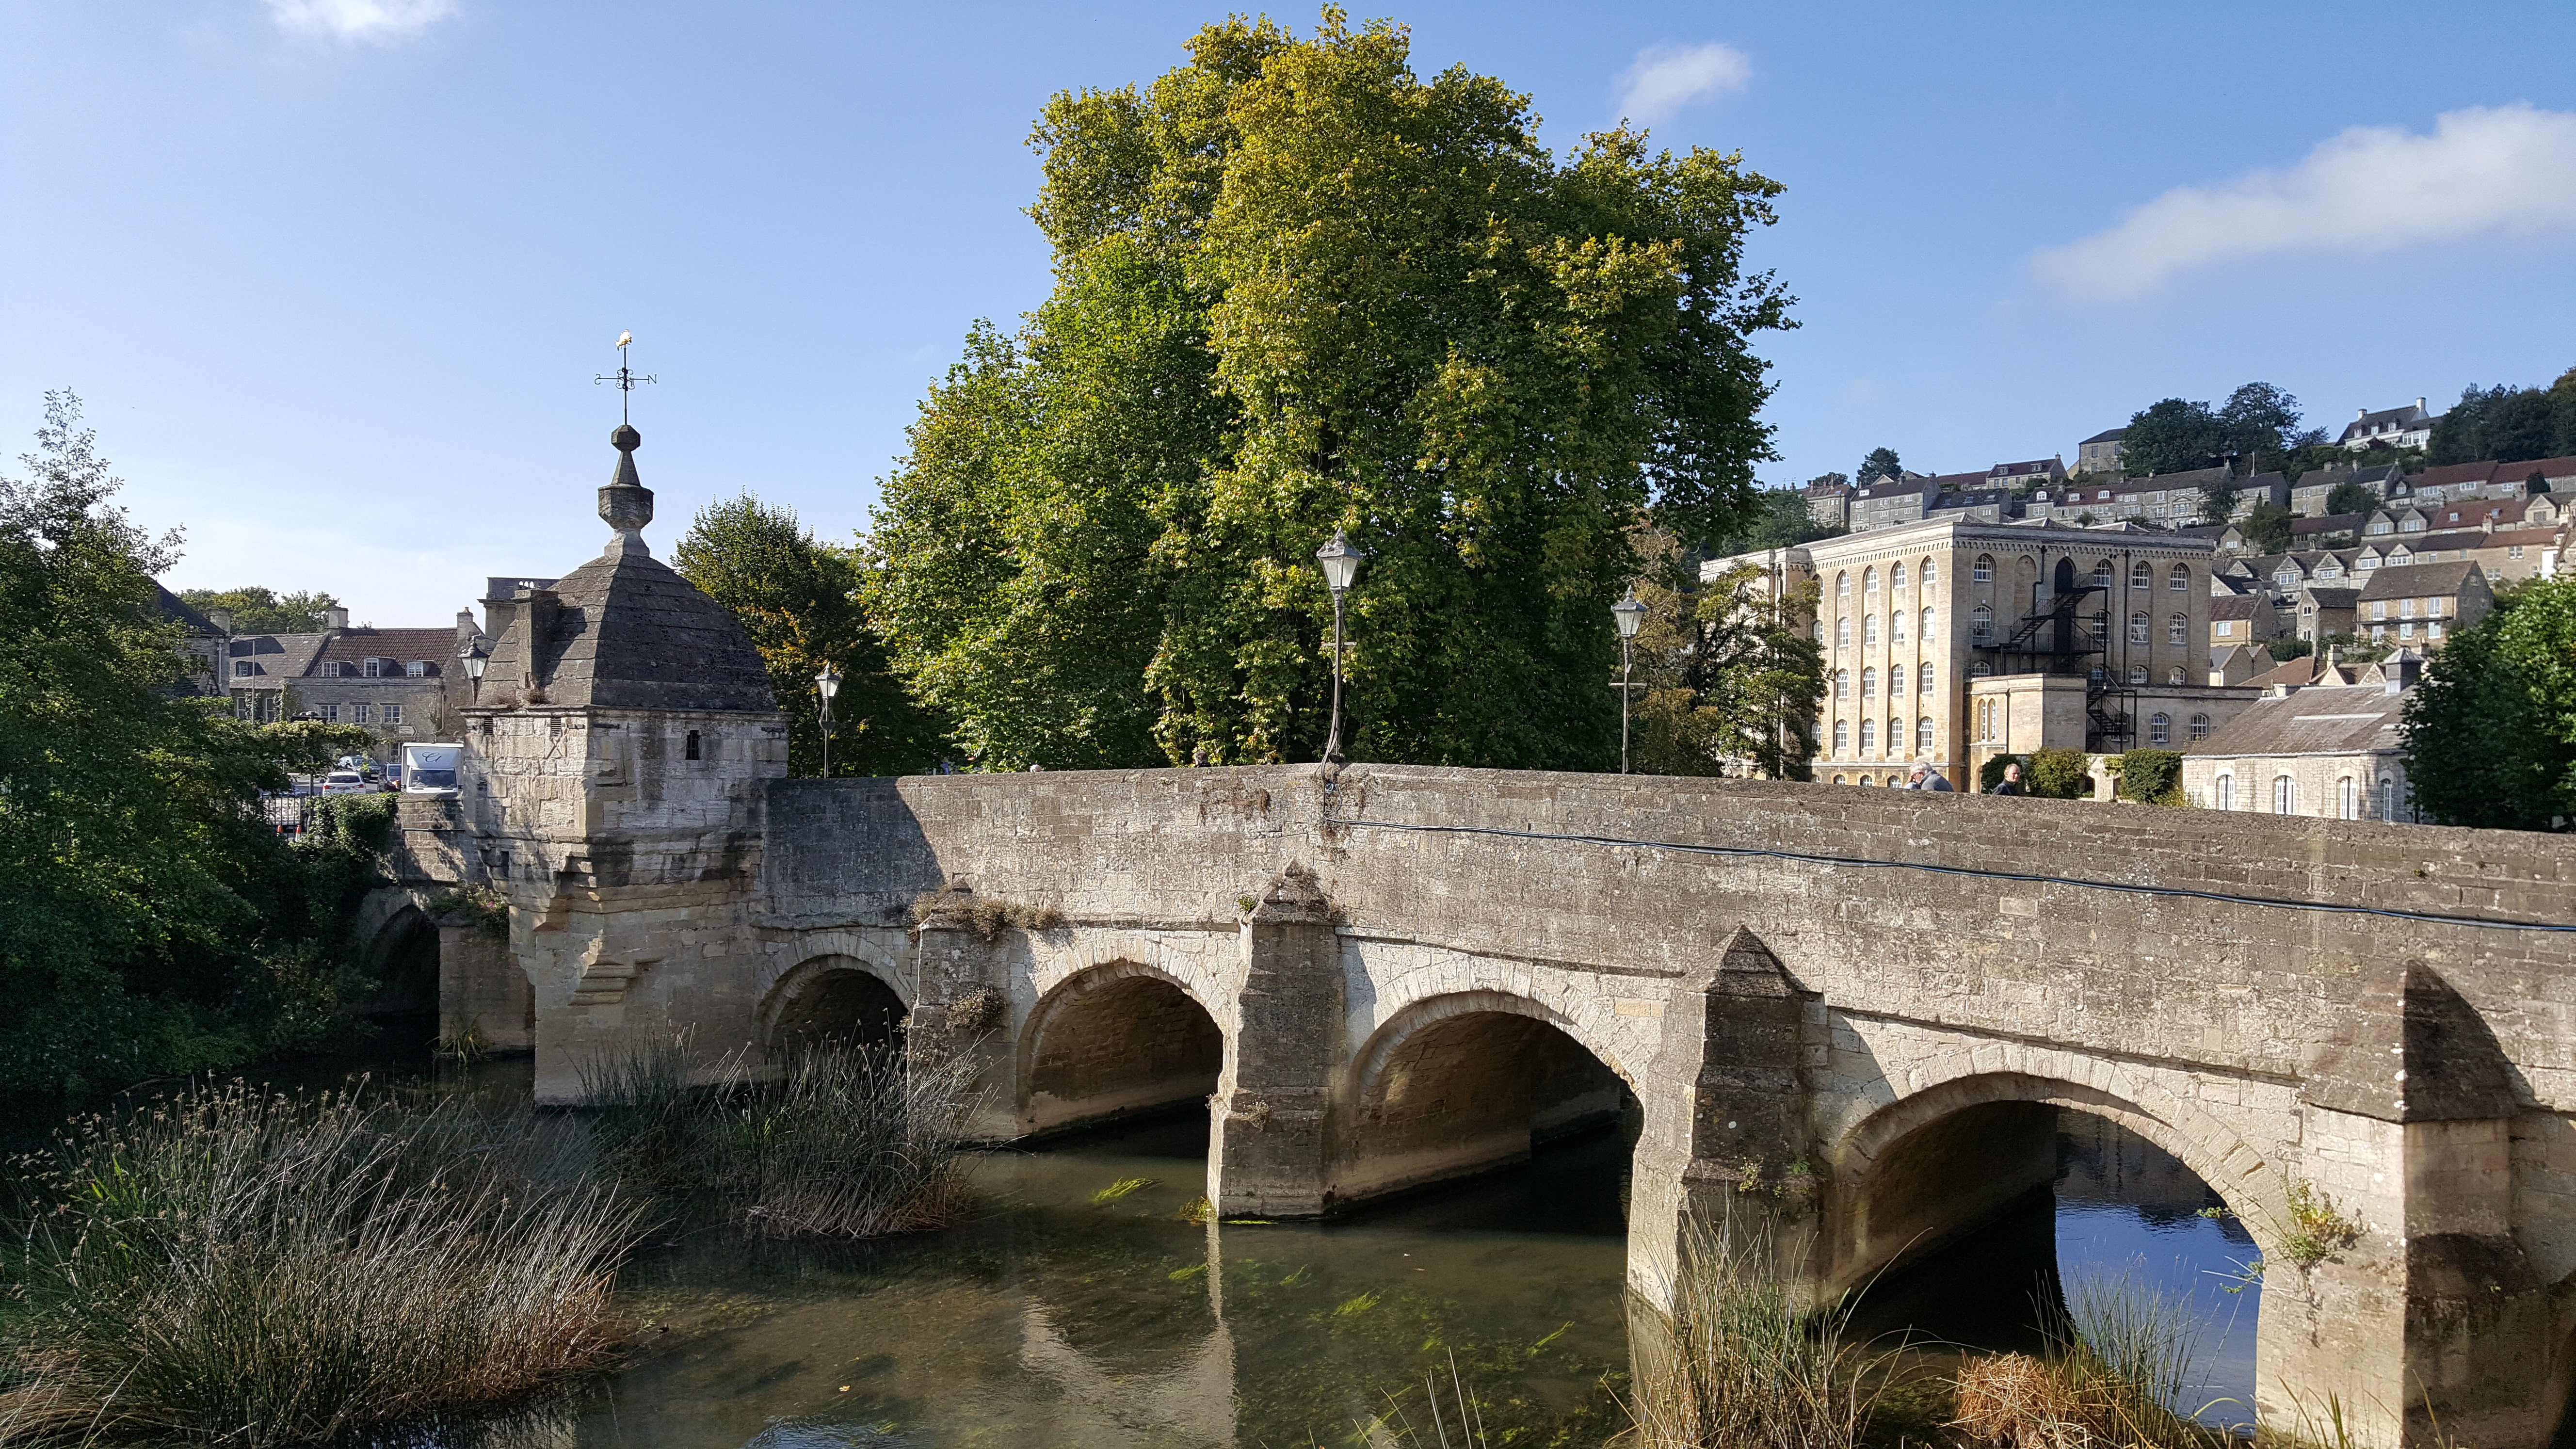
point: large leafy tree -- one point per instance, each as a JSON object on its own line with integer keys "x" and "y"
{"x": 152, "y": 922}
{"x": 1300, "y": 289}
{"x": 1880, "y": 463}
{"x": 1731, "y": 676}
{"x": 2507, "y": 423}
{"x": 798, "y": 599}
{"x": 2258, "y": 426}
{"x": 2490, "y": 735}
{"x": 258, "y": 610}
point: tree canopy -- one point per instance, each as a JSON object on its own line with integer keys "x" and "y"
{"x": 1732, "y": 681}
{"x": 1780, "y": 518}
{"x": 2508, "y": 424}
{"x": 2350, "y": 497}
{"x": 2258, "y": 425}
{"x": 2490, "y": 734}
{"x": 798, "y": 599}
{"x": 257, "y": 610}
{"x": 1880, "y": 463}
{"x": 1300, "y": 290}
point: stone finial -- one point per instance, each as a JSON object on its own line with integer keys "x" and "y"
{"x": 1294, "y": 897}
{"x": 626, "y": 505}
{"x": 1744, "y": 967}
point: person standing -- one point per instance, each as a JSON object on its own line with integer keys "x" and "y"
{"x": 1923, "y": 779}
{"x": 2011, "y": 782}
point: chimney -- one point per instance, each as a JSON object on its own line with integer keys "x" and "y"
{"x": 2419, "y": 405}
{"x": 2360, "y": 413}
{"x": 222, "y": 619}
{"x": 335, "y": 617}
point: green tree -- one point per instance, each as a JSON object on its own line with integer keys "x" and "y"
{"x": 2267, "y": 527}
{"x": 1299, "y": 290}
{"x": 798, "y": 599}
{"x": 2218, "y": 500}
{"x": 2348, "y": 497}
{"x": 153, "y": 922}
{"x": 2490, "y": 734}
{"x": 2260, "y": 425}
{"x": 2508, "y": 424}
{"x": 1881, "y": 463}
{"x": 1733, "y": 677}
{"x": 2172, "y": 436}
{"x": 1781, "y": 521}
{"x": 261, "y": 611}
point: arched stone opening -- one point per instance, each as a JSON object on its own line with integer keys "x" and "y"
{"x": 834, "y": 1000}
{"x": 402, "y": 959}
{"x": 1463, "y": 1084}
{"x": 1119, "y": 1040}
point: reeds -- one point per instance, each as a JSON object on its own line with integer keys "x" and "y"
{"x": 281, "y": 1269}
{"x": 1744, "y": 1365}
{"x": 2122, "y": 1370}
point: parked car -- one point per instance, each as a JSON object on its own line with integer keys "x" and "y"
{"x": 344, "y": 782}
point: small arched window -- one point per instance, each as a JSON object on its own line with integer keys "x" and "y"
{"x": 1931, "y": 573}
{"x": 2175, "y": 676}
{"x": 2137, "y": 674}
{"x": 1896, "y": 576}
{"x": 2160, "y": 728}
{"x": 2138, "y": 627}
{"x": 2227, "y": 792}
{"x": 1842, "y": 586}
{"x": 1923, "y": 684}
{"x": 1869, "y": 779}
{"x": 2200, "y": 727}
{"x": 1923, "y": 734}
{"x": 2178, "y": 629}
{"x": 1926, "y": 635}
{"x": 1980, "y": 670}
{"x": 1842, "y": 738}
{"x": 1868, "y": 630}
{"x": 2347, "y": 799}
{"x": 1981, "y": 625}
{"x": 1869, "y": 581}
{"x": 2180, "y": 580}
{"x": 1896, "y": 681}
{"x": 1842, "y": 684}
{"x": 2285, "y": 795}
{"x": 1868, "y": 737}
{"x": 1984, "y": 571}
{"x": 1896, "y": 627}
{"x": 2142, "y": 575}
{"x": 1895, "y": 737}
{"x": 2102, "y": 574}
{"x": 2387, "y": 798}
{"x": 1820, "y": 631}
{"x": 1869, "y": 684}
{"x": 1842, "y": 632}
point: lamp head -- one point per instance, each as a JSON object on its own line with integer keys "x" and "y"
{"x": 1629, "y": 613}
{"x": 1341, "y": 562}
{"x": 475, "y": 660}
{"x": 828, "y": 682}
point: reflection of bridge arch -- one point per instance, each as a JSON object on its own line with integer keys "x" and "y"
{"x": 1455, "y": 1083}
{"x": 1115, "y": 1038}
{"x": 1932, "y": 1160}
{"x": 833, "y": 996}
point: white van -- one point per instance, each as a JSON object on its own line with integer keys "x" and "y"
{"x": 430, "y": 770}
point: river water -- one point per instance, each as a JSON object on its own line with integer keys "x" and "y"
{"x": 1082, "y": 1307}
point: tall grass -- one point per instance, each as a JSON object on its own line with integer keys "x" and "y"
{"x": 282, "y": 1269}
{"x": 849, "y": 1141}
{"x": 2145, "y": 1342}
{"x": 2123, "y": 1368}
{"x": 1743, "y": 1365}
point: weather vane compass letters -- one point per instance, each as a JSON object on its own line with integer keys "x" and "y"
{"x": 626, "y": 378}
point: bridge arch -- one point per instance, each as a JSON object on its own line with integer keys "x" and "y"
{"x": 833, "y": 996}
{"x": 1115, "y": 1038}
{"x": 1457, "y": 1082}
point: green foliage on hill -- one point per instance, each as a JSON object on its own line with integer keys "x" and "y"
{"x": 257, "y": 610}
{"x": 1300, "y": 289}
{"x": 2490, "y": 734}
{"x": 2508, "y": 423}
{"x": 2258, "y": 425}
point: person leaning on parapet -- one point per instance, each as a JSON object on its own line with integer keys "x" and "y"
{"x": 1924, "y": 779}
{"x": 2010, "y": 784}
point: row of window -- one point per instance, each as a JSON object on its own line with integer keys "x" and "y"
{"x": 344, "y": 669}
{"x": 2142, "y": 575}
{"x": 361, "y": 713}
{"x": 1895, "y": 579}
{"x": 2285, "y": 796}
{"x": 1869, "y": 629}
{"x": 1895, "y": 736}
{"x": 1990, "y": 720}
{"x": 2406, "y": 608}
{"x": 1869, "y": 683}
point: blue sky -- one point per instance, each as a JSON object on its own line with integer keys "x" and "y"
{"x": 333, "y": 276}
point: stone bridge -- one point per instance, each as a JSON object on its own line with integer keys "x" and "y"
{"x": 1854, "y": 1013}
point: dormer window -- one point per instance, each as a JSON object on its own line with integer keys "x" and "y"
{"x": 417, "y": 669}
{"x": 374, "y": 668}
{"x": 242, "y": 668}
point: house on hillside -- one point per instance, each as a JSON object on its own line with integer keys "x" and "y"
{"x": 2329, "y": 749}
{"x": 2419, "y": 604}
{"x": 2406, "y": 427}
{"x": 2100, "y": 453}
{"x": 2241, "y": 620}
{"x": 2308, "y": 495}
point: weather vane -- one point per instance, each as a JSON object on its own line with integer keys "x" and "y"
{"x": 625, "y": 377}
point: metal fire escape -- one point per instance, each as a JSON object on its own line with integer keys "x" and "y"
{"x": 2063, "y": 638}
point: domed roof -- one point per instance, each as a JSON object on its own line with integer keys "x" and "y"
{"x": 624, "y": 631}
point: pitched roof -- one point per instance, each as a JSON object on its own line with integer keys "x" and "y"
{"x": 2451, "y": 475}
{"x": 356, "y": 646}
{"x": 184, "y": 614}
{"x": 1910, "y": 483}
{"x": 2109, "y": 435}
{"x": 2017, "y": 470}
{"x": 2289, "y": 671}
{"x": 2325, "y": 719}
{"x": 2553, "y": 469}
{"x": 2410, "y": 414}
{"x": 2330, "y": 596}
{"x": 2329, "y": 523}
{"x": 2187, "y": 479}
{"x": 2416, "y": 581}
{"x": 275, "y": 656}
{"x": 2236, "y": 606}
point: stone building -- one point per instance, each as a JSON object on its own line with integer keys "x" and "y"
{"x": 2419, "y": 604}
{"x": 2100, "y": 453}
{"x": 402, "y": 683}
{"x": 2399, "y": 427}
{"x": 2328, "y": 750}
{"x": 2246, "y": 619}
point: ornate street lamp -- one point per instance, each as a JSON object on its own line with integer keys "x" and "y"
{"x": 474, "y": 659}
{"x": 1341, "y": 566}
{"x": 1629, "y": 614}
{"x": 827, "y": 684}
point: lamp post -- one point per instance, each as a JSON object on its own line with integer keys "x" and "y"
{"x": 1629, "y": 614}
{"x": 474, "y": 659}
{"x": 1341, "y": 566}
{"x": 827, "y": 684}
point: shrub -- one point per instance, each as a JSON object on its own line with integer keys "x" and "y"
{"x": 286, "y": 1269}
{"x": 2154, "y": 776}
{"x": 2058, "y": 774}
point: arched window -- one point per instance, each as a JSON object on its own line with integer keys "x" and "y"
{"x": 2178, "y": 629}
{"x": 1931, "y": 573}
{"x": 2180, "y": 580}
{"x": 1984, "y": 571}
{"x": 2285, "y": 795}
{"x": 1842, "y": 684}
{"x": 1868, "y": 630}
{"x": 1820, "y": 631}
{"x": 2387, "y": 797}
{"x": 2175, "y": 675}
{"x": 1896, "y": 627}
{"x": 1895, "y": 680}
{"x": 2142, "y": 576}
{"x": 2138, "y": 627}
{"x": 1926, "y": 635}
{"x": 1840, "y": 780}
{"x": 1869, "y": 779}
{"x": 2102, "y": 574}
{"x": 1842, "y": 632}
{"x": 2227, "y": 792}
{"x": 1895, "y": 737}
{"x": 1868, "y": 737}
{"x": 1981, "y": 669}
{"x": 1985, "y": 719}
{"x": 1923, "y": 734}
{"x": 1842, "y": 738}
{"x": 1869, "y": 684}
{"x": 2160, "y": 728}
{"x": 1923, "y": 683}
{"x": 1842, "y": 586}
{"x": 2347, "y": 799}
{"x": 1895, "y": 576}
{"x": 2200, "y": 727}
{"x": 1981, "y": 625}
{"x": 1869, "y": 581}
{"x": 2137, "y": 674}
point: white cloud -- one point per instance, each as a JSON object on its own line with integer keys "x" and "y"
{"x": 359, "y": 19}
{"x": 2509, "y": 171}
{"x": 1669, "y": 77}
